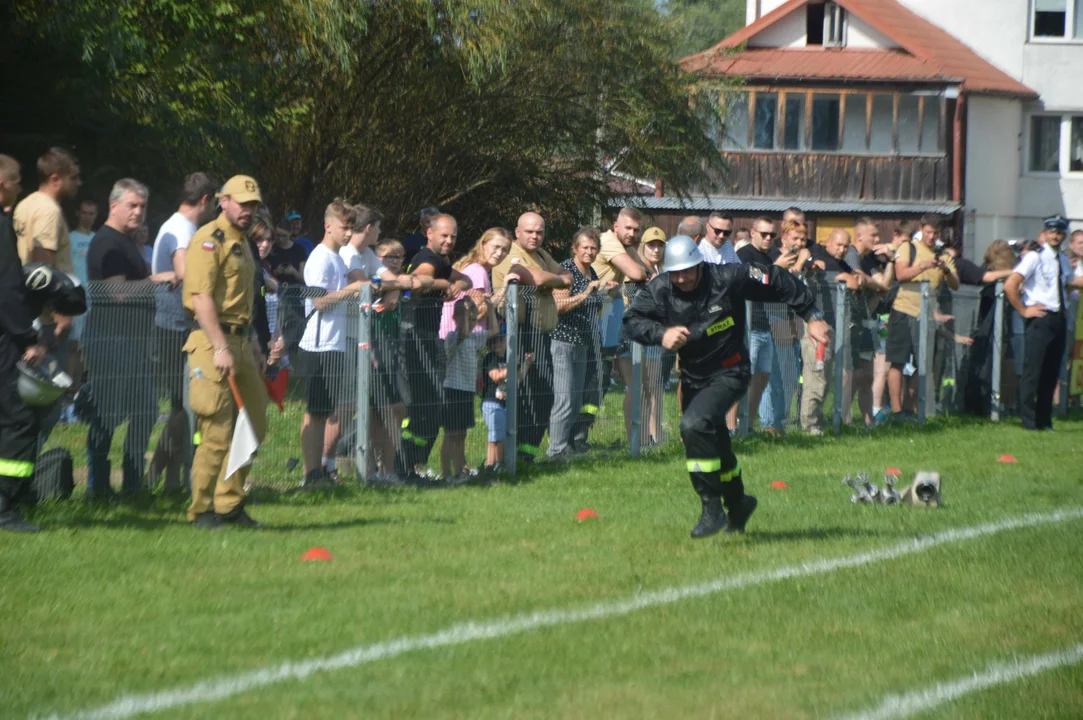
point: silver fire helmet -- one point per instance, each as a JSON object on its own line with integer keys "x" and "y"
{"x": 681, "y": 253}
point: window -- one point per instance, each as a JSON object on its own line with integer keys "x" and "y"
{"x": 766, "y": 121}
{"x": 834, "y": 25}
{"x": 793, "y": 131}
{"x": 908, "y": 124}
{"x": 825, "y": 122}
{"x": 1044, "y": 144}
{"x": 1058, "y": 19}
{"x": 814, "y": 24}
{"x": 853, "y": 128}
{"x": 1075, "y": 150}
{"x": 736, "y": 113}
{"x": 930, "y": 125}
{"x": 883, "y": 108}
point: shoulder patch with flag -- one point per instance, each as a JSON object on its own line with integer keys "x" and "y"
{"x": 208, "y": 246}
{"x": 756, "y": 274}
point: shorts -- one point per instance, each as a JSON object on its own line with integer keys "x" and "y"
{"x": 610, "y": 323}
{"x": 902, "y": 338}
{"x": 385, "y": 374}
{"x": 761, "y": 351}
{"x": 331, "y": 384}
{"x": 496, "y": 419}
{"x": 458, "y": 415}
{"x": 169, "y": 364}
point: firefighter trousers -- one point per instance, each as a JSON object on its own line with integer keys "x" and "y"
{"x": 19, "y": 426}
{"x": 713, "y": 467}
{"x": 216, "y": 411}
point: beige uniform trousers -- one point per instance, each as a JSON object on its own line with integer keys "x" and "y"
{"x": 215, "y": 411}
{"x": 814, "y": 384}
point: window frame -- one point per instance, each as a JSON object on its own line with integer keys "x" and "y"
{"x": 1064, "y": 148}
{"x": 846, "y": 95}
{"x": 1069, "y": 25}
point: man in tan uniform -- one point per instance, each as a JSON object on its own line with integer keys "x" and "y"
{"x": 219, "y": 292}
{"x": 537, "y": 319}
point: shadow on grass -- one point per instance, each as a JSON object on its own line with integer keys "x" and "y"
{"x": 831, "y": 533}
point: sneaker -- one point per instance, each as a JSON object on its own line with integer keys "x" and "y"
{"x": 815, "y": 431}
{"x": 712, "y": 520}
{"x": 238, "y": 517}
{"x": 207, "y": 521}
{"x": 882, "y": 416}
{"x": 317, "y": 479}
{"x": 740, "y": 516}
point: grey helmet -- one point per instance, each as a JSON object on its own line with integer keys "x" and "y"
{"x": 42, "y": 386}
{"x": 681, "y": 253}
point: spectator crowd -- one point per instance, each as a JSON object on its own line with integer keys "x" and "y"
{"x": 440, "y": 325}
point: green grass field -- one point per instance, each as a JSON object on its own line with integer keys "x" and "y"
{"x": 110, "y": 601}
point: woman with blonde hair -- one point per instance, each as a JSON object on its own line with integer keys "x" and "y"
{"x": 488, "y": 252}
{"x": 651, "y": 251}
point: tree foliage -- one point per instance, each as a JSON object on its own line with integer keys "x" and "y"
{"x": 703, "y": 23}
{"x": 485, "y": 108}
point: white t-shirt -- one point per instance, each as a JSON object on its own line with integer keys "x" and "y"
{"x": 80, "y": 245}
{"x": 325, "y": 331}
{"x": 174, "y": 235}
{"x": 364, "y": 260}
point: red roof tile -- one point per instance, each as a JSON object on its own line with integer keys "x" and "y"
{"x": 926, "y": 53}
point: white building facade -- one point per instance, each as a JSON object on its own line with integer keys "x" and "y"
{"x": 1023, "y": 158}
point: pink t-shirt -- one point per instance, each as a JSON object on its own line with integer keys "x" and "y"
{"x": 479, "y": 276}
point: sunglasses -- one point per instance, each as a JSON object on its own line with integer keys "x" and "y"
{"x": 390, "y": 257}
{"x": 720, "y": 231}
{"x": 769, "y": 235}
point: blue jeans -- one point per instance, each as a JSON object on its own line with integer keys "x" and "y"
{"x": 775, "y": 403}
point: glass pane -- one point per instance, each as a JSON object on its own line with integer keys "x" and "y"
{"x": 908, "y": 124}
{"x": 736, "y": 112}
{"x": 825, "y": 122}
{"x": 882, "y": 114}
{"x": 793, "y": 134}
{"x": 853, "y": 132}
{"x": 1079, "y": 19}
{"x": 1075, "y": 153}
{"x": 766, "y": 117}
{"x": 1050, "y": 17}
{"x": 1044, "y": 144}
{"x": 709, "y": 112}
{"x": 930, "y": 129}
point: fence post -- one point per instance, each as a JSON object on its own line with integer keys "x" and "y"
{"x": 362, "y": 442}
{"x": 511, "y": 439}
{"x": 841, "y": 349}
{"x": 925, "y": 354}
{"x": 995, "y": 404}
{"x": 743, "y": 430}
{"x": 189, "y": 442}
{"x": 637, "y": 399}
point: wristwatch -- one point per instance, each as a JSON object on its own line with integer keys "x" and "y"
{"x": 814, "y": 315}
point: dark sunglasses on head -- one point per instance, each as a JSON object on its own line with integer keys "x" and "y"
{"x": 720, "y": 231}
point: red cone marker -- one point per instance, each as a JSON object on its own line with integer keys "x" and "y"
{"x": 779, "y": 485}
{"x": 317, "y": 554}
{"x": 586, "y": 514}
{"x": 893, "y": 471}
{"x": 1007, "y": 459}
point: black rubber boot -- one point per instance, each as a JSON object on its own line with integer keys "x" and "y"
{"x": 739, "y": 516}
{"x": 207, "y": 521}
{"x": 12, "y": 520}
{"x": 239, "y": 518}
{"x": 713, "y": 519}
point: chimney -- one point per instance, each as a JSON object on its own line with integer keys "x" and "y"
{"x": 658, "y": 187}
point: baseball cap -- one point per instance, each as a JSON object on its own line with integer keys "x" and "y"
{"x": 653, "y": 234}
{"x": 293, "y": 215}
{"x": 1056, "y": 222}
{"x": 242, "y": 189}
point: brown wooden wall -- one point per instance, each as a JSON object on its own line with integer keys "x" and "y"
{"x": 836, "y": 177}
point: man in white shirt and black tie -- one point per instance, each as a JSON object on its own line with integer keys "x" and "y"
{"x": 1036, "y": 289}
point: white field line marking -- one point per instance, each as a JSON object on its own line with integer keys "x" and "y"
{"x": 919, "y": 701}
{"x": 224, "y": 686}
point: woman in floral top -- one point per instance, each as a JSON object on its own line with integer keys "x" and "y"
{"x": 578, "y": 308}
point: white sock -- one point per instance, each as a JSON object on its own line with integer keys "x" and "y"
{"x": 329, "y": 464}
{"x": 876, "y": 410}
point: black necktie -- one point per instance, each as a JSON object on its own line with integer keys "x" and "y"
{"x": 1060, "y": 284}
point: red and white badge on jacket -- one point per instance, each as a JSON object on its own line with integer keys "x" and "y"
{"x": 209, "y": 246}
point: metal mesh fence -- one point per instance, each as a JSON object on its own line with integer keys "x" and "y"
{"x": 390, "y": 387}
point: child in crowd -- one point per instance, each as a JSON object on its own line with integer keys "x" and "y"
{"x": 463, "y": 343}
{"x": 494, "y": 386}
{"x": 387, "y": 405}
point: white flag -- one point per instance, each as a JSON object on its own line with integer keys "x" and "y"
{"x": 244, "y": 444}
